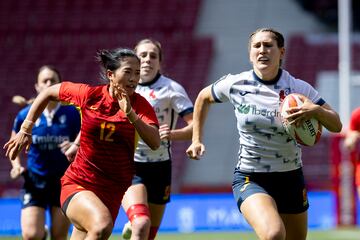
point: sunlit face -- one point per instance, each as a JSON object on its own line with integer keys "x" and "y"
{"x": 150, "y": 61}
{"x": 46, "y": 78}
{"x": 265, "y": 55}
{"x": 127, "y": 76}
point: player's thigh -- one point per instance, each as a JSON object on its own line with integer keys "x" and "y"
{"x": 260, "y": 211}
{"x": 86, "y": 210}
{"x": 32, "y": 218}
{"x": 156, "y": 213}
{"x": 135, "y": 194}
{"x": 296, "y": 225}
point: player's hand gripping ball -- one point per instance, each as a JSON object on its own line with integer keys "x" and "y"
{"x": 309, "y": 133}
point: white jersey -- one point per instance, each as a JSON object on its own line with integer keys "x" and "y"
{"x": 169, "y": 101}
{"x": 264, "y": 144}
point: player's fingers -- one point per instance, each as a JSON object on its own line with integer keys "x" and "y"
{"x": 164, "y": 127}
{"x": 6, "y": 145}
{"x": 201, "y": 151}
{"x": 9, "y": 146}
{"x": 192, "y": 154}
{"x": 27, "y": 148}
{"x": 10, "y": 153}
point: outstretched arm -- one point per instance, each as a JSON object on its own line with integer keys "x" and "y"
{"x": 201, "y": 108}
{"x": 23, "y": 137}
{"x": 16, "y": 168}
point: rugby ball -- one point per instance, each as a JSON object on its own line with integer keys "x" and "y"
{"x": 310, "y": 132}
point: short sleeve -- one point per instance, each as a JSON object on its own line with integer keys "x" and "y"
{"x": 180, "y": 101}
{"x": 145, "y": 111}
{"x": 74, "y": 93}
{"x": 220, "y": 90}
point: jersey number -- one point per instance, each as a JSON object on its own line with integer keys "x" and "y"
{"x": 107, "y": 130}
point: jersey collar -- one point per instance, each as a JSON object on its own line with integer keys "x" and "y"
{"x": 158, "y": 75}
{"x": 267, "y": 82}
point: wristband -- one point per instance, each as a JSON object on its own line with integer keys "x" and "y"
{"x": 31, "y": 122}
{"x": 27, "y": 125}
{"x": 26, "y": 133}
{"x": 137, "y": 118}
{"x": 127, "y": 113}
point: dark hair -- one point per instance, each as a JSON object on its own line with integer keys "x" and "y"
{"x": 279, "y": 38}
{"x": 50, "y": 67}
{"x": 150, "y": 40}
{"x": 111, "y": 59}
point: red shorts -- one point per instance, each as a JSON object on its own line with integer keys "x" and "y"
{"x": 109, "y": 196}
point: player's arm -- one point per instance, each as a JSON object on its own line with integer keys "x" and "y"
{"x": 184, "y": 133}
{"x": 201, "y": 108}
{"x": 328, "y": 118}
{"x": 325, "y": 114}
{"x": 16, "y": 168}
{"x": 23, "y": 137}
{"x": 70, "y": 152}
{"x": 149, "y": 133}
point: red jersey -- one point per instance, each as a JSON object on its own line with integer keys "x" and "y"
{"x": 108, "y": 140}
{"x": 355, "y": 126}
{"x": 355, "y": 120}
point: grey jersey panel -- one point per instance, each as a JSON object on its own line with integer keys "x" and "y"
{"x": 264, "y": 144}
{"x": 168, "y": 99}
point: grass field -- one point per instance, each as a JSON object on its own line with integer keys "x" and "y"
{"x": 339, "y": 234}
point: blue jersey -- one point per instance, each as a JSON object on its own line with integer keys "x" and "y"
{"x": 51, "y": 128}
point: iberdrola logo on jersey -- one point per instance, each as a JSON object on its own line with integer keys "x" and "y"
{"x": 243, "y": 108}
{"x": 252, "y": 109}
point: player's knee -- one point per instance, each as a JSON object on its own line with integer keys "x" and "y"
{"x": 275, "y": 233}
{"x": 101, "y": 229}
{"x": 139, "y": 216}
{"x": 30, "y": 234}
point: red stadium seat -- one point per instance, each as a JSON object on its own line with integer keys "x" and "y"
{"x": 68, "y": 34}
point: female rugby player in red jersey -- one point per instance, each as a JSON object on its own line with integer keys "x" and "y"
{"x": 113, "y": 118}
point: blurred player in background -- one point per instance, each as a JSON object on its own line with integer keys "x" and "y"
{"x": 53, "y": 134}
{"x": 351, "y": 140}
{"x": 268, "y": 180}
{"x": 113, "y": 118}
{"x": 151, "y": 185}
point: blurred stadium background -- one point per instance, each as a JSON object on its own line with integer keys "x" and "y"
{"x": 202, "y": 41}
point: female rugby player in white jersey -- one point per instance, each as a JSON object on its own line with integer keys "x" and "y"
{"x": 268, "y": 180}
{"x": 152, "y": 181}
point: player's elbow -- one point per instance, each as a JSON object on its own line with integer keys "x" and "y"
{"x": 337, "y": 128}
{"x": 155, "y": 143}
{"x": 154, "y": 147}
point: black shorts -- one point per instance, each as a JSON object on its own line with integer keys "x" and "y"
{"x": 286, "y": 188}
{"x": 40, "y": 191}
{"x": 156, "y": 176}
